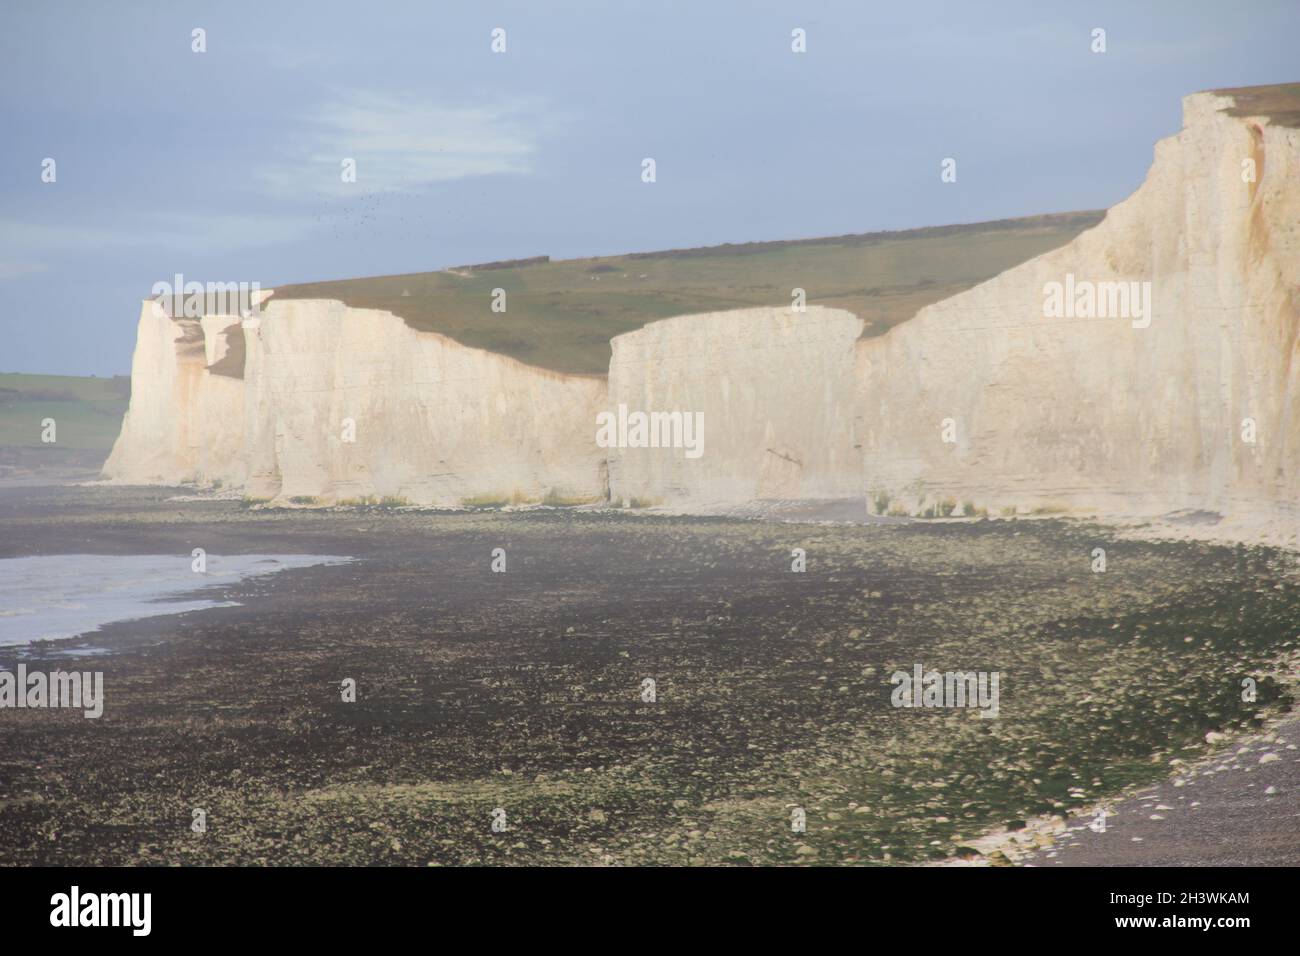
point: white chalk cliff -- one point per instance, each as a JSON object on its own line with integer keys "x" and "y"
{"x": 777, "y": 392}
{"x": 1107, "y": 413}
{"x": 1194, "y": 405}
{"x": 336, "y": 404}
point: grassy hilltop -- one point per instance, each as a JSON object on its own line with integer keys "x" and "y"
{"x": 561, "y": 315}
{"x": 1279, "y": 102}
{"x": 87, "y": 413}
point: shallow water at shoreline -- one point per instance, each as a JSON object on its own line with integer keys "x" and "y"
{"x": 59, "y": 596}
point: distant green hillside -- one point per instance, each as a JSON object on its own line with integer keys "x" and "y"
{"x": 87, "y": 413}
{"x": 561, "y": 315}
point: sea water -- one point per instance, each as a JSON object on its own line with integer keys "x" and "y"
{"x": 64, "y": 595}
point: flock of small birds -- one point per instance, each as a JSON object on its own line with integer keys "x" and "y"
{"x": 358, "y": 217}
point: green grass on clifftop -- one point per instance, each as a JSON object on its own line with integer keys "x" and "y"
{"x": 561, "y": 315}
{"x": 1279, "y": 102}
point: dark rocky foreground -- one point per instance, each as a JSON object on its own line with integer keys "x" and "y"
{"x": 523, "y": 690}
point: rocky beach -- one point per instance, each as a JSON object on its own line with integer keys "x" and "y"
{"x": 523, "y": 690}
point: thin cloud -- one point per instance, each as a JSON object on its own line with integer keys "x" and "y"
{"x": 403, "y": 145}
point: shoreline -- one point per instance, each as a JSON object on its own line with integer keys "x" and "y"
{"x": 526, "y": 684}
{"x": 1043, "y": 838}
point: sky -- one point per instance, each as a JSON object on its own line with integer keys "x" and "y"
{"x": 226, "y": 165}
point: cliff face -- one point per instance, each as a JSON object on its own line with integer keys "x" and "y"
{"x": 1151, "y": 364}
{"x": 429, "y": 420}
{"x": 776, "y": 392}
{"x": 336, "y": 403}
{"x": 185, "y": 421}
{"x": 1147, "y": 412}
